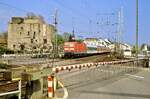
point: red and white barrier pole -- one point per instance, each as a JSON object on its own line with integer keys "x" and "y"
{"x": 50, "y": 87}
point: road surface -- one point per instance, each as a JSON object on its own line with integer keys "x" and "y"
{"x": 98, "y": 84}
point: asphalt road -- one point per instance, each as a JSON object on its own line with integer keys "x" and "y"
{"x": 107, "y": 83}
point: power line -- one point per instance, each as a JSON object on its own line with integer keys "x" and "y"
{"x": 77, "y": 13}
{"x": 11, "y": 6}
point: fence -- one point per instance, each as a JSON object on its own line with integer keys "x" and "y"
{"x": 13, "y": 92}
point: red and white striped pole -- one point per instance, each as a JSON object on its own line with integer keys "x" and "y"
{"x": 50, "y": 87}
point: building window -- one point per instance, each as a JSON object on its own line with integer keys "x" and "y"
{"x": 21, "y": 28}
{"x": 28, "y": 33}
{"x": 44, "y": 47}
{"x": 14, "y": 46}
{"x": 34, "y": 35}
{"x": 22, "y": 47}
{"x": 45, "y": 41}
{"x": 31, "y": 40}
{"x": 34, "y": 47}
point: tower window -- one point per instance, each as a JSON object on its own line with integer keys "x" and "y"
{"x": 45, "y": 41}
{"x": 28, "y": 33}
{"x": 34, "y": 34}
{"x": 34, "y": 47}
{"x": 14, "y": 46}
{"x": 21, "y": 28}
{"x": 31, "y": 40}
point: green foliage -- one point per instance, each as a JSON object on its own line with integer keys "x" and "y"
{"x": 149, "y": 48}
{"x": 133, "y": 50}
{"x": 5, "y": 50}
{"x": 66, "y": 37}
{"x": 60, "y": 40}
{"x": 4, "y": 35}
{"x": 3, "y": 66}
{"x": 79, "y": 40}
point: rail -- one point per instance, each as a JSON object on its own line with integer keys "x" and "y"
{"x": 12, "y": 92}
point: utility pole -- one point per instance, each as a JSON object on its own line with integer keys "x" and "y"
{"x": 73, "y": 31}
{"x": 118, "y": 33}
{"x": 120, "y": 30}
{"x": 56, "y": 39}
{"x": 55, "y": 45}
{"x": 137, "y": 29}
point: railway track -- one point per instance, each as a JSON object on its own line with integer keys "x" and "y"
{"x": 94, "y": 58}
{"x": 7, "y": 86}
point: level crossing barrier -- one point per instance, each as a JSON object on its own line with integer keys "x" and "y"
{"x": 70, "y": 67}
{"x": 50, "y": 87}
{"x": 108, "y": 69}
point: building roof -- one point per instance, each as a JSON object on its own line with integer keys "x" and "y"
{"x": 27, "y": 19}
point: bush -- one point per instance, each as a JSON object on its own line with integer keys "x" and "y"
{"x": 3, "y": 66}
{"x": 5, "y": 51}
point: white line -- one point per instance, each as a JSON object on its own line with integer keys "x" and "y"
{"x": 65, "y": 91}
{"x": 9, "y": 93}
{"x": 135, "y": 76}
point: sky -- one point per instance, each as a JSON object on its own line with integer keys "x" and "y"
{"x": 89, "y": 18}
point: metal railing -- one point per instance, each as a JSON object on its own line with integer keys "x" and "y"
{"x": 18, "y": 92}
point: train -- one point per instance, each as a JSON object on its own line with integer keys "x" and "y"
{"x": 80, "y": 49}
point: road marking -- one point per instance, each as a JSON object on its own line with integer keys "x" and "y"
{"x": 135, "y": 76}
{"x": 65, "y": 91}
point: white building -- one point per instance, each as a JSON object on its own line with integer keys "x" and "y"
{"x": 125, "y": 48}
{"x": 94, "y": 42}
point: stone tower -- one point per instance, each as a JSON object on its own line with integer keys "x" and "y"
{"x": 30, "y": 34}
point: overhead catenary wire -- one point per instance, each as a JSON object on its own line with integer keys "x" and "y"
{"x": 9, "y": 12}
{"x": 106, "y": 23}
{"x": 11, "y": 6}
{"x": 78, "y": 13}
{"x": 73, "y": 11}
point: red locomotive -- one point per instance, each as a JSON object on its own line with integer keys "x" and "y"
{"x": 75, "y": 48}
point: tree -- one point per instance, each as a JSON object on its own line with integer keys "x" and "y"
{"x": 4, "y": 35}
{"x": 133, "y": 50}
{"x": 60, "y": 40}
{"x": 66, "y": 36}
{"x": 148, "y": 48}
{"x": 5, "y": 51}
